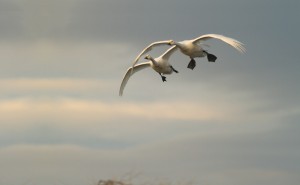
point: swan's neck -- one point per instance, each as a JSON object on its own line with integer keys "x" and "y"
{"x": 178, "y": 44}
{"x": 153, "y": 61}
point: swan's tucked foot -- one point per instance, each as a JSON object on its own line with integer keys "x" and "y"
{"x": 192, "y": 64}
{"x": 163, "y": 77}
{"x": 174, "y": 69}
{"x": 210, "y": 57}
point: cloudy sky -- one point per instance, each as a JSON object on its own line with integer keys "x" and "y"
{"x": 233, "y": 122}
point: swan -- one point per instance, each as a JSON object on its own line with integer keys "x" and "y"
{"x": 160, "y": 64}
{"x": 193, "y": 48}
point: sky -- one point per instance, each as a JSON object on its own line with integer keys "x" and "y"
{"x": 232, "y": 122}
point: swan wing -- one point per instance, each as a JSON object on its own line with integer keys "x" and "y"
{"x": 129, "y": 73}
{"x": 169, "y": 52}
{"x": 232, "y": 42}
{"x": 149, "y": 48}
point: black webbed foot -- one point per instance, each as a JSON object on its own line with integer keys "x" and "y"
{"x": 174, "y": 69}
{"x": 162, "y": 77}
{"x": 211, "y": 57}
{"x": 192, "y": 64}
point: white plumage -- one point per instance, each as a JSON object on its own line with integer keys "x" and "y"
{"x": 160, "y": 64}
{"x": 193, "y": 48}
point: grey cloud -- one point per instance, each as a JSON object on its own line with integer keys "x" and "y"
{"x": 133, "y": 20}
{"x": 244, "y": 157}
{"x": 99, "y": 39}
{"x": 11, "y": 21}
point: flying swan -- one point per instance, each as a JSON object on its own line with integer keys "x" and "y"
{"x": 193, "y": 49}
{"x": 160, "y": 64}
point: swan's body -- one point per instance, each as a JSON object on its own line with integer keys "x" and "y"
{"x": 160, "y": 64}
{"x": 189, "y": 48}
{"x": 193, "y": 49}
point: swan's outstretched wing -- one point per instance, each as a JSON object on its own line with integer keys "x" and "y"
{"x": 232, "y": 42}
{"x": 149, "y": 48}
{"x": 166, "y": 55}
{"x": 128, "y": 74}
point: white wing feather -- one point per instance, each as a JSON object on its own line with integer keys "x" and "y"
{"x": 129, "y": 73}
{"x": 149, "y": 48}
{"x": 169, "y": 52}
{"x": 232, "y": 42}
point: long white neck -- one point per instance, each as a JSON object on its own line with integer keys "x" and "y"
{"x": 178, "y": 44}
{"x": 153, "y": 61}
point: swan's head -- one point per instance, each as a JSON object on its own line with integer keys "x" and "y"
{"x": 148, "y": 57}
{"x": 171, "y": 42}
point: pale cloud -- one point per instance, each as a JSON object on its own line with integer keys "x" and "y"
{"x": 85, "y": 122}
{"x": 74, "y": 101}
{"x": 45, "y": 58}
{"x": 71, "y": 110}
{"x": 94, "y": 122}
{"x": 230, "y": 122}
{"x": 45, "y": 86}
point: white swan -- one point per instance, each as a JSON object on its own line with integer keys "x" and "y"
{"x": 193, "y": 49}
{"x": 160, "y": 64}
